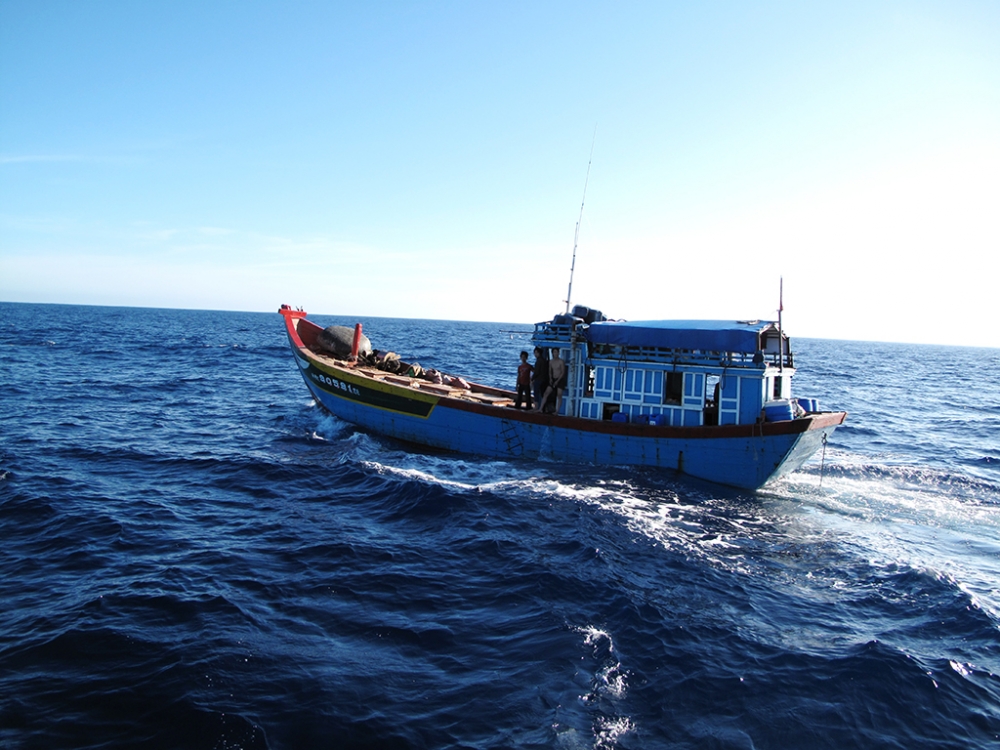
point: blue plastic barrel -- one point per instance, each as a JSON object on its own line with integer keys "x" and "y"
{"x": 809, "y": 404}
{"x": 778, "y": 411}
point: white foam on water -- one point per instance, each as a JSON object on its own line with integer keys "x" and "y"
{"x": 609, "y": 685}
{"x": 704, "y": 526}
{"x": 945, "y": 524}
{"x": 887, "y": 515}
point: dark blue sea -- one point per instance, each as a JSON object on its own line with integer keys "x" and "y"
{"x": 193, "y": 555}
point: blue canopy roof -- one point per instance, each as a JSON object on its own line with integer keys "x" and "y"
{"x": 706, "y": 335}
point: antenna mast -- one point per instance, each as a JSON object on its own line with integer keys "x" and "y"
{"x": 576, "y": 235}
{"x": 781, "y": 338}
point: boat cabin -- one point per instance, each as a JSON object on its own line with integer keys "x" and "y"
{"x": 683, "y": 373}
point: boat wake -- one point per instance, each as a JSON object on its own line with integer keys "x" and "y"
{"x": 863, "y": 488}
{"x": 715, "y": 525}
{"x": 854, "y": 511}
{"x": 927, "y": 519}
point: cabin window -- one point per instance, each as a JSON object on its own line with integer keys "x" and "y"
{"x": 778, "y": 387}
{"x": 673, "y": 387}
{"x": 608, "y": 411}
{"x": 588, "y": 381}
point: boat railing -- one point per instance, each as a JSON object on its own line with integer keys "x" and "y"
{"x": 694, "y": 357}
{"x": 779, "y": 361}
{"x": 554, "y": 332}
{"x": 564, "y": 330}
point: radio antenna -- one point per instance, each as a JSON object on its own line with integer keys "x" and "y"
{"x": 576, "y": 235}
{"x": 781, "y": 309}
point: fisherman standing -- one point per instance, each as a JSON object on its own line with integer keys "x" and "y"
{"x": 523, "y": 382}
{"x": 557, "y": 381}
{"x": 540, "y": 377}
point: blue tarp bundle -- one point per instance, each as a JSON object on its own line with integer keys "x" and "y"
{"x": 705, "y": 335}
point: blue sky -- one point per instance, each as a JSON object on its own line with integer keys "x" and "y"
{"x": 428, "y": 160}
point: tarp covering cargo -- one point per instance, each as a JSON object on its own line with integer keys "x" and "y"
{"x": 704, "y": 335}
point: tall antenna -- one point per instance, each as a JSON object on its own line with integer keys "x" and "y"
{"x": 781, "y": 308}
{"x": 576, "y": 235}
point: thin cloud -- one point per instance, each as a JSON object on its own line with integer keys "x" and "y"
{"x": 41, "y": 158}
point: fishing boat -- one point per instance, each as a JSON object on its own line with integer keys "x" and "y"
{"x": 707, "y": 399}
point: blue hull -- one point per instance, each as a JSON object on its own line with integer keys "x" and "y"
{"x": 744, "y": 456}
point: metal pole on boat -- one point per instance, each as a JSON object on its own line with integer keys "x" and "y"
{"x": 576, "y": 235}
{"x": 781, "y": 338}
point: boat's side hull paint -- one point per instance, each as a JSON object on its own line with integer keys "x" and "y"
{"x": 362, "y": 391}
{"x": 744, "y": 456}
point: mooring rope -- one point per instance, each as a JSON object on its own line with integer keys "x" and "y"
{"x": 822, "y": 461}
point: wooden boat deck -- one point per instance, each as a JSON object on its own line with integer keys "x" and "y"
{"x": 479, "y": 394}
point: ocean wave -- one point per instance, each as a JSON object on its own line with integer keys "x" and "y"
{"x": 196, "y": 556}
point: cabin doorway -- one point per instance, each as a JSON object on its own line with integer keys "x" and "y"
{"x": 712, "y": 400}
